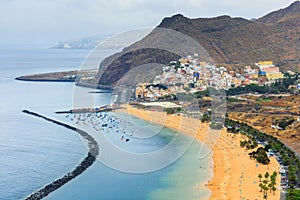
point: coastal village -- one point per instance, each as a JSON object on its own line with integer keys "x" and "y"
{"x": 205, "y": 105}
{"x": 190, "y": 75}
{"x": 257, "y": 139}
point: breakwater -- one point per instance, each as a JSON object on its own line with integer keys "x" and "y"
{"x": 85, "y": 110}
{"x": 67, "y": 76}
{"x": 44, "y": 79}
{"x": 80, "y": 168}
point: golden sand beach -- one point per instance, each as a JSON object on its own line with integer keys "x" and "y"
{"x": 235, "y": 174}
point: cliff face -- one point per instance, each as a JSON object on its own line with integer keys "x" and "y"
{"x": 238, "y": 41}
{"x": 284, "y": 34}
{"x": 227, "y": 40}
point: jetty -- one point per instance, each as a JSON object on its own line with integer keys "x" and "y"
{"x": 79, "y": 169}
{"x": 68, "y": 76}
{"x": 105, "y": 108}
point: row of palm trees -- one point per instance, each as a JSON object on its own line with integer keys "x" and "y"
{"x": 267, "y": 184}
{"x": 286, "y": 155}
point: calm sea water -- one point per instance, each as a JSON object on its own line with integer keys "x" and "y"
{"x": 34, "y": 152}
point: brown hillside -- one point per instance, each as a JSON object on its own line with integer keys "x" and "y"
{"x": 233, "y": 41}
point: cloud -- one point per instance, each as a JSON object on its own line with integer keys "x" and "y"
{"x": 68, "y": 19}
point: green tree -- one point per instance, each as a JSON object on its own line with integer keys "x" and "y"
{"x": 261, "y": 187}
{"x": 170, "y": 111}
{"x": 265, "y": 191}
{"x": 265, "y": 196}
{"x": 206, "y": 118}
{"x": 270, "y": 185}
{"x": 267, "y": 175}
{"x": 293, "y": 194}
{"x": 259, "y": 176}
{"x": 273, "y": 189}
{"x": 273, "y": 178}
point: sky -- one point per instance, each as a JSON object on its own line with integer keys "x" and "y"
{"x": 49, "y": 21}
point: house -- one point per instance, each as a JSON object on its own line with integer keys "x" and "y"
{"x": 268, "y": 69}
{"x": 275, "y": 76}
{"x": 263, "y": 64}
{"x": 271, "y": 70}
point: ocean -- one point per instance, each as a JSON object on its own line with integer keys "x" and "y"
{"x": 35, "y": 152}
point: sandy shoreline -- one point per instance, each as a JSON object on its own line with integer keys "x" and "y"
{"x": 235, "y": 174}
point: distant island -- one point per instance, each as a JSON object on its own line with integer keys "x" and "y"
{"x": 84, "y": 43}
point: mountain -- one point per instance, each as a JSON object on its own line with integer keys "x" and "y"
{"x": 284, "y": 34}
{"x": 282, "y": 15}
{"x": 229, "y": 41}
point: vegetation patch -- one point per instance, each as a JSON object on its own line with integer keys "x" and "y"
{"x": 260, "y": 155}
{"x": 170, "y": 111}
{"x": 268, "y": 183}
{"x": 286, "y": 155}
{"x": 231, "y": 99}
{"x": 249, "y": 144}
{"x": 293, "y": 194}
{"x": 286, "y": 121}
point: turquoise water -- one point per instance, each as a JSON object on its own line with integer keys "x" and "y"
{"x": 185, "y": 179}
{"x": 179, "y": 181}
{"x": 34, "y": 152}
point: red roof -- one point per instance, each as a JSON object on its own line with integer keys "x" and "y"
{"x": 271, "y": 69}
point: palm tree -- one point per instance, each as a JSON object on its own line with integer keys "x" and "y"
{"x": 265, "y": 187}
{"x": 267, "y": 175}
{"x": 261, "y": 187}
{"x": 266, "y": 191}
{"x": 273, "y": 189}
{"x": 273, "y": 179}
{"x": 259, "y": 176}
{"x": 270, "y": 185}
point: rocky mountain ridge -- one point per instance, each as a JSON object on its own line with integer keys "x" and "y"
{"x": 228, "y": 41}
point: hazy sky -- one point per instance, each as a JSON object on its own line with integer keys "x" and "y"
{"x": 48, "y": 21}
